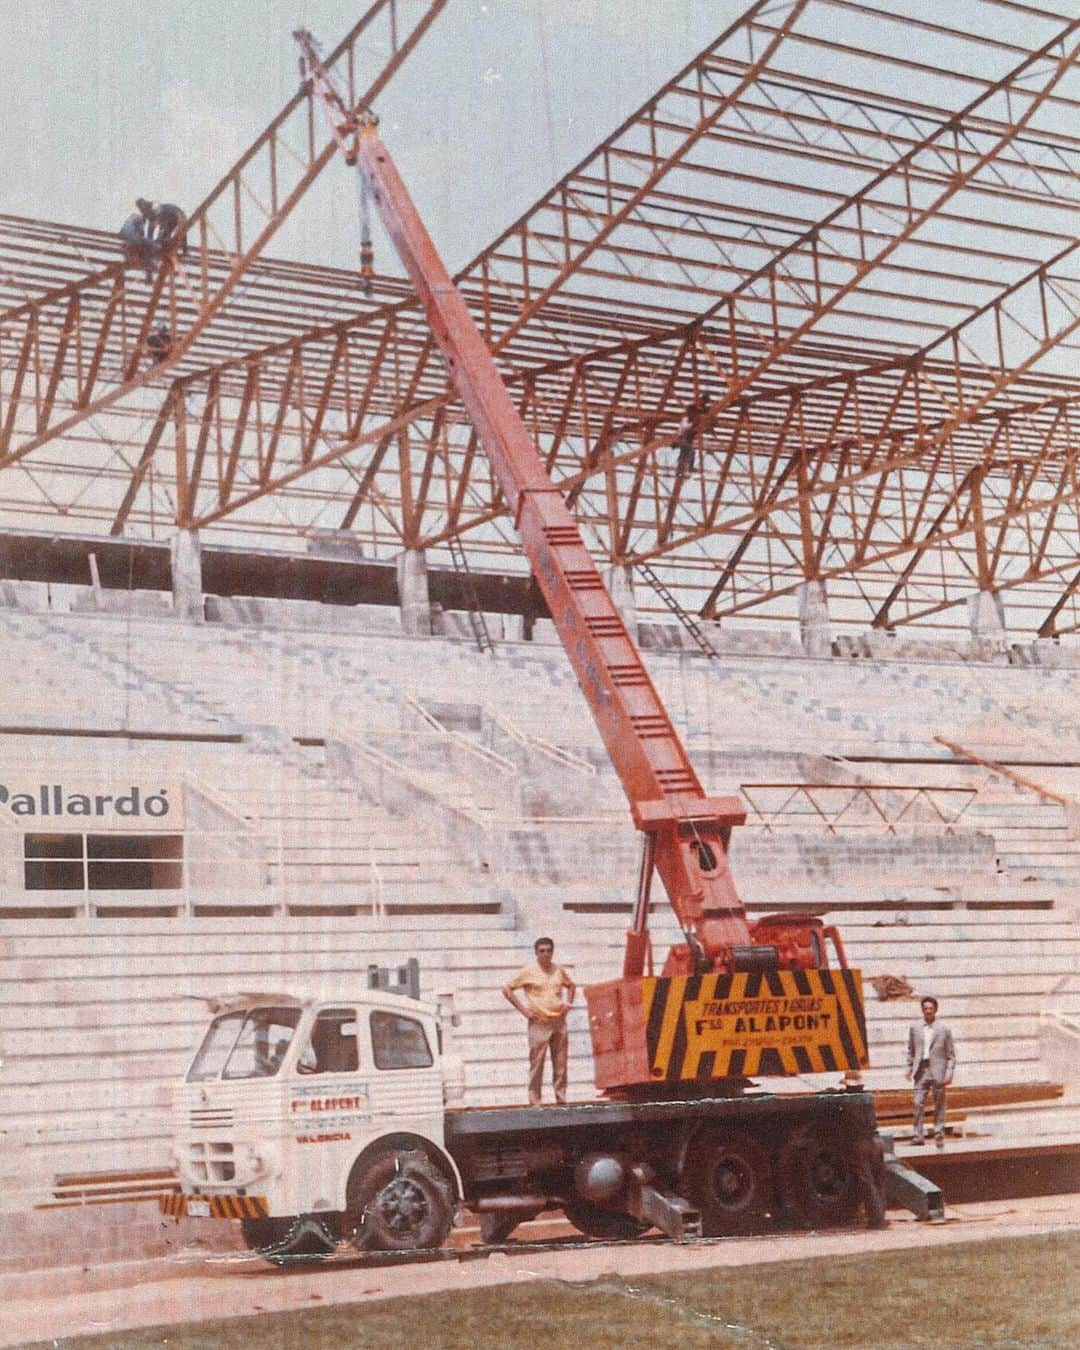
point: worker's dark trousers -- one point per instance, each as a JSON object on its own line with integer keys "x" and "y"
{"x": 924, "y": 1084}
{"x": 138, "y": 251}
{"x": 541, "y": 1036}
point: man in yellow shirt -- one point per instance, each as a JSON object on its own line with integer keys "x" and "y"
{"x": 545, "y": 1010}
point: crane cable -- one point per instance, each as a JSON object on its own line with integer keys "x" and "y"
{"x": 367, "y": 248}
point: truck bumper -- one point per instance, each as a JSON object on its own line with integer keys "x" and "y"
{"x": 178, "y": 1206}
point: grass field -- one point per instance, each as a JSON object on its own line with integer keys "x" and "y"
{"x": 1018, "y": 1292}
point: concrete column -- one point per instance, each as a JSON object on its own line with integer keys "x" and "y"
{"x": 413, "y": 595}
{"x": 878, "y": 643}
{"x": 513, "y": 627}
{"x": 986, "y": 618}
{"x": 619, "y": 579}
{"x": 185, "y": 552}
{"x": 814, "y": 618}
{"x": 1046, "y": 652}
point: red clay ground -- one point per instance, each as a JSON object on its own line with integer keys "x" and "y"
{"x": 58, "y": 1304}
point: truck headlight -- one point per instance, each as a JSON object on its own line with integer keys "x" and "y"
{"x": 257, "y": 1160}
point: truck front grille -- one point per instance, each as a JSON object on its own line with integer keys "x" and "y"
{"x": 211, "y": 1161}
{"x": 211, "y": 1117}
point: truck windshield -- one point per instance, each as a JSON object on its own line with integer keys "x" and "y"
{"x": 249, "y": 1044}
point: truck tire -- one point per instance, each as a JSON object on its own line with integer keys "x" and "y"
{"x": 595, "y": 1221}
{"x": 818, "y": 1178}
{"x": 728, "y": 1177}
{"x": 398, "y": 1202}
{"x": 283, "y": 1242}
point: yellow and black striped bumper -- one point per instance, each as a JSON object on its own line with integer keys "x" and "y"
{"x": 775, "y": 1023}
{"x": 213, "y": 1206}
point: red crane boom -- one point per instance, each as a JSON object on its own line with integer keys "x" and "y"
{"x": 685, "y": 831}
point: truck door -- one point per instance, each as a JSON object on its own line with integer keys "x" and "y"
{"x": 330, "y": 1090}
{"x": 406, "y": 1087}
{"x": 329, "y": 1107}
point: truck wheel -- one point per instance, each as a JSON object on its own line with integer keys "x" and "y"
{"x": 818, "y": 1180}
{"x": 282, "y": 1242}
{"x": 595, "y": 1221}
{"x": 727, "y": 1176}
{"x": 399, "y": 1202}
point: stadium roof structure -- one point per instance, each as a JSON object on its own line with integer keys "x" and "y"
{"x": 845, "y": 234}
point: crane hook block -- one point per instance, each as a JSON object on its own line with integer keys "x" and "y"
{"x": 367, "y": 265}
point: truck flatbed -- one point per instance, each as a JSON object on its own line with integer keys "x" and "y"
{"x": 479, "y": 1122}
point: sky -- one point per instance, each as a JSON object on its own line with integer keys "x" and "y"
{"x": 105, "y": 100}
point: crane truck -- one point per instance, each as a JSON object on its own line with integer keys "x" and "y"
{"x": 330, "y": 1114}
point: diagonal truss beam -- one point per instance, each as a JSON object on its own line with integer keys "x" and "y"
{"x": 600, "y": 226}
{"x": 706, "y": 342}
{"x": 849, "y": 444}
{"x": 947, "y": 385}
{"x": 1050, "y": 626}
{"x": 823, "y": 265}
{"x": 995, "y": 506}
{"x": 885, "y": 447}
{"x": 949, "y": 143}
{"x": 617, "y": 201}
{"x": 89, "y": 337}
{"x": 901, "y": 409}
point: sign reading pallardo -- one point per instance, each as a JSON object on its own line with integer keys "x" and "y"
{"x": 733, "y": 1026}
{"x": 91, "y": 806}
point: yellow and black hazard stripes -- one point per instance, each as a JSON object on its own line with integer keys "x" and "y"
{"x": 770, "y": 1023}
{"x": 214, "y": 1206}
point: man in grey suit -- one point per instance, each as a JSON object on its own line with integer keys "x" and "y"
{"x": 931, "y": 1062}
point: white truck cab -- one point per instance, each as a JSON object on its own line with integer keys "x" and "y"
{"x": 318, "y": 1117}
